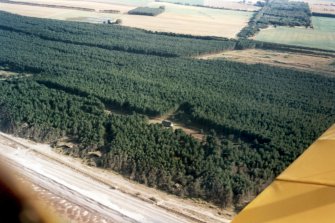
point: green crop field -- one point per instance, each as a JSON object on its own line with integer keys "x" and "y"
{"x": 322, "y": 36}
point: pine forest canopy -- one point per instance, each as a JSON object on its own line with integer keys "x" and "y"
{"x": 258, "y": 118}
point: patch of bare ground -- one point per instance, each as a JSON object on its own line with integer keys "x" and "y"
{"x": 191, "y": 130}
{"x": 67, "y": 210}
{"x": 8, "y": 75}
{"x": 302, "y": 61}
{"x": 194, "y": 210}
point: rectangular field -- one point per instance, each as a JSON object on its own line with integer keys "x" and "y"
{"x": 192, "y": 20}
{"x": 226, "y": 4}
{"x": 235, "y": 5}
{"x": 321, "y": 36}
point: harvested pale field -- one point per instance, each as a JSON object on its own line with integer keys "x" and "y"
{"x": 205, "y": 25}
{"x": 176, "y": 18}
{"x": 235, "y": 5}
{"x": 65, "y": 14}
{"x": 186, "y": 2}
{"x": 227, "y": 4}
{"x": 34, "y": 11}
{"x": 321, "y": 36}
{"x": 191, "y": 20}
{"x": 282, "y": 59}
{"x": 83, "y": 4}
{"x": 322, "y": 6}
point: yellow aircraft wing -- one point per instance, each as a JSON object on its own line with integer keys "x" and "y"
{"x": 304, "y": 192}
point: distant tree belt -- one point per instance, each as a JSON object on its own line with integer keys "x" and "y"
{"x": 148, "y": 11}
{"x": 242, "y": 44}
{"x": 113, "y": 11}
{"x": 189, "y": 36}
{"x": 263, "y": 116}
{"x": 278, "y": 12}
{"x": 323, "y": 14}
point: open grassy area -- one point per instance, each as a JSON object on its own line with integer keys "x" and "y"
{"x": 322, "y": 36}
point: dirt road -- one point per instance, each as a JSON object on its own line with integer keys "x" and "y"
{"x": 73, "y": 189}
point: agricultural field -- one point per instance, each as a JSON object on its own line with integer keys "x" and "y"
{"x": 321, "y": 36}
{"x": 227, "y": 4}
{"x": 176, "y": 18}
{"x": 235, "y": 5}
{"x": 192, "y": 20}
{"x": 73, "y": 3}
{"x": 322, "y": 6}
{"x": 133, "y": 3}
{"x": 186, "y": 2}
{"x": 66, "y": 14}
{"x": 300, "y": 61}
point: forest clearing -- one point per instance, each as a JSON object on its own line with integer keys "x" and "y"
{"x": 308, "y": 62}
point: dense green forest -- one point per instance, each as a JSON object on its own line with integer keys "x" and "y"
{"x": 278, "y": 12}
{"x": 257, "y": 118}
{"x": 109, "y": 37}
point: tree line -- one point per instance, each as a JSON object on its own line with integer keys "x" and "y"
{"x": 147, "y": 11}
{"x": 278, "y": 13}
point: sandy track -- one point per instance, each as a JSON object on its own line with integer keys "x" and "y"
{"x": 60, "y": 198}
{"x": 85, "y": 196}
{"x": 112, "y": 205}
